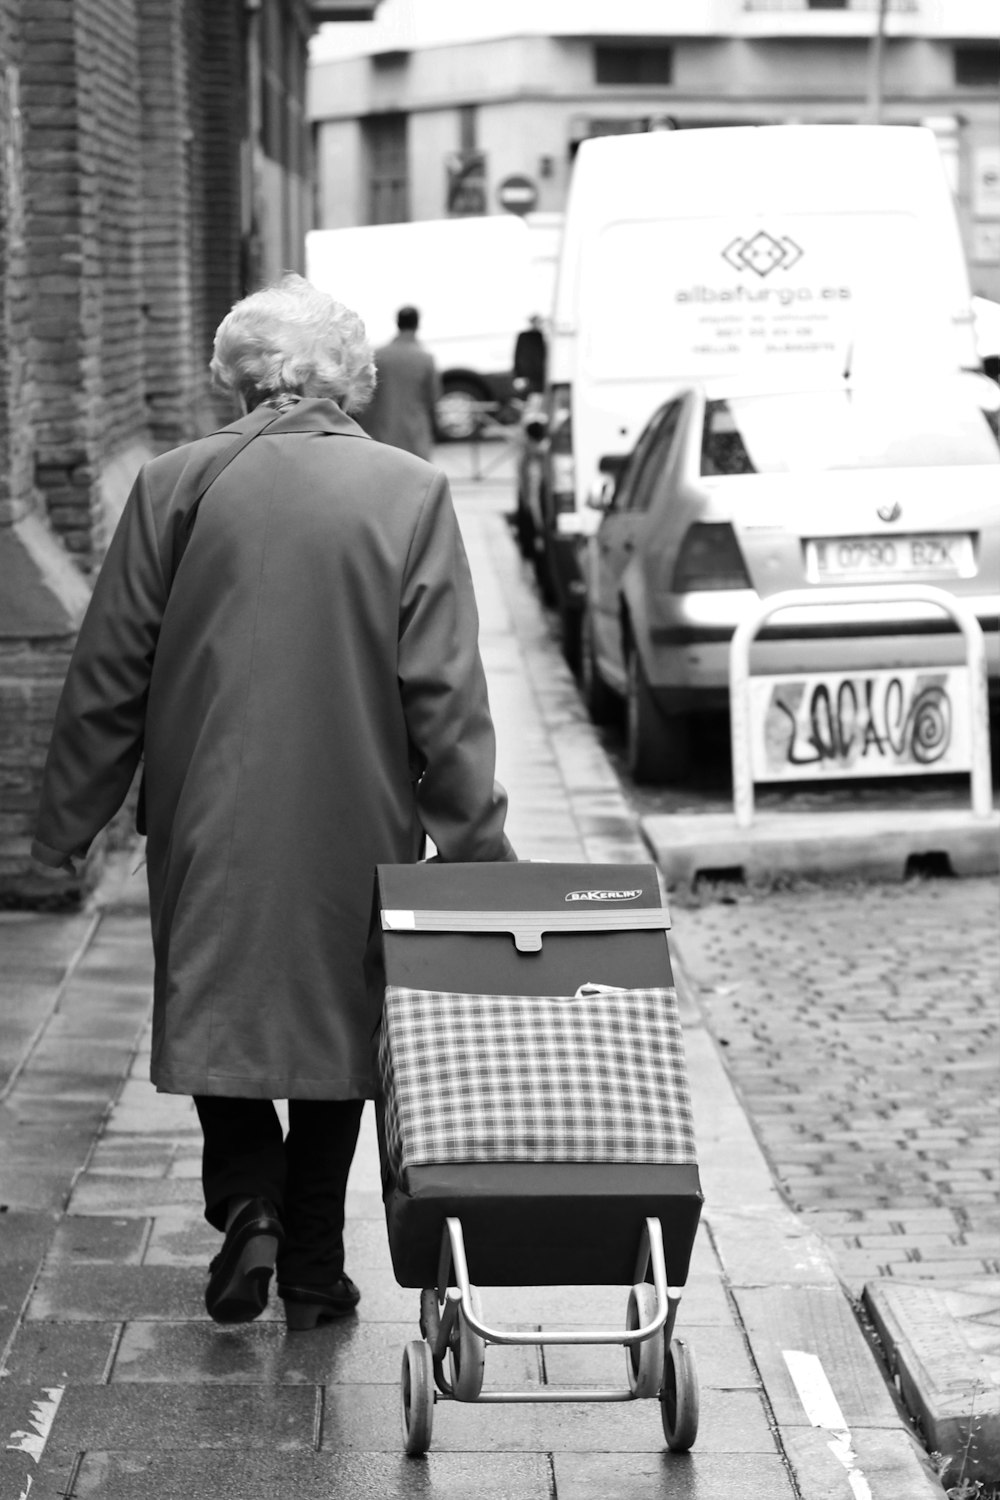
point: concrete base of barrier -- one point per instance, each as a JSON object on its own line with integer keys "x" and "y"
{"x": 942, "y": 1344}
{"x": 871, "y": 845}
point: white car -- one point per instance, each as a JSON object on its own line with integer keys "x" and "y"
{"x": 732, "y": 495}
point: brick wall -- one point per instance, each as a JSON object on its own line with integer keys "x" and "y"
{"x": 168, "y": 217}
{"x": 61, "y": 225}
{"x": 16, "y": 393}
{"x": 111, "y": 171}
{"x": 221, "y": 175}
{"x": 73, "y": 385}
{"x": 128, "y": 202}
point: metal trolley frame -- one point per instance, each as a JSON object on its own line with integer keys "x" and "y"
{"x": 658, "y": 1366}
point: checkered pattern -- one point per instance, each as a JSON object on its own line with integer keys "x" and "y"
{"x": 534, "y": 1078}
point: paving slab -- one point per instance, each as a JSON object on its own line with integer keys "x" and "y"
{"x": 365, "y": 1418}
{"x": 74, "y": 1292}
{"x": 704, "y": 1303}
{"x": 349, "y": 1352}
{"x": 722, "y": 1353}
{"x": 51, "y": 1354}
{"x": 43, "y": 948}
{"x": 23, "y": 1238}
{"x": 309, "y": 1476}
{"x": 21, "y": 1476}
{"x": 889, "y": 1462}
{"x": 672, "y": 1476}
{"x": 817, "y": 1322}
{"x": 114, "y": 1194}
{"x": 147, "y": 1418}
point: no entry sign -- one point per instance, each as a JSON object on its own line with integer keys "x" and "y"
{"x": 517, "y": 194}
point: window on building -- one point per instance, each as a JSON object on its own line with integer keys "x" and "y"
{"x": 977, "y": 66}
{"x": 388, "y": 174}
{"x": 641, "y": 67}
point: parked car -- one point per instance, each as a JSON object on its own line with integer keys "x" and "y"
{"x": 733, "y": 494}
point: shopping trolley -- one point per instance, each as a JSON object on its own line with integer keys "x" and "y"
{"x": 534, "y": 1120}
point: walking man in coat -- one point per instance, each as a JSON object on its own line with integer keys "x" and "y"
{"x": 529, "y": 358}
{"x": 406, "y": 391}
{"x": 293, "y": 653}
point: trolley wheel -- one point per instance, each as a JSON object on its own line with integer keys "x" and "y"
{"x": 679, "y": 1397}
{"x": 468, "y": 1354}
{"x": 416, "y": 1384}
{"x": 644, "y": 1360}
{"x": 430, "y": 1315}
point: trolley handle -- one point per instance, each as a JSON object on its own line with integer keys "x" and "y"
{"x": 527, "y": 927}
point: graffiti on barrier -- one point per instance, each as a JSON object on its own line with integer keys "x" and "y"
{"x": 863, "y": 724}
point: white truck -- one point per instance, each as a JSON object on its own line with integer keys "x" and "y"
{"x": 475, "y": 283}
{"x": 788, "y": 250}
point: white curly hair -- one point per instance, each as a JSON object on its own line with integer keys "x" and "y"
{"x": 292, "y": 338}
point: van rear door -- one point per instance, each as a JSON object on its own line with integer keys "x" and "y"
{"x": 796, "y": 252}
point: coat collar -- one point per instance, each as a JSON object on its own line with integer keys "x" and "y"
{"x": 312, "y": 414}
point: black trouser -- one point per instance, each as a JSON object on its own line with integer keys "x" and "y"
{"x": 303, "y": 1175}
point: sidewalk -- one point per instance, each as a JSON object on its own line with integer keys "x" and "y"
{"x": 113, "y": 1382}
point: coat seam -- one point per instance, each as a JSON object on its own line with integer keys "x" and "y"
{"x": 239, "y": 773}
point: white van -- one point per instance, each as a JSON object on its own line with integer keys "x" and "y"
{"x": 787, "y": 251}
{"x": 475, "y": 282}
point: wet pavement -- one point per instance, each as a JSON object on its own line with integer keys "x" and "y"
{"x": 114, "y": 1383}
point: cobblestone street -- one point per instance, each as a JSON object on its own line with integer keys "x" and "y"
{"x": 861, "y": 1031}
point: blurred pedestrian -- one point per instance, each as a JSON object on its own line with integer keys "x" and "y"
{"x": 529, "y": 358}
{"x": 299, "y": 671}
{"x": 406, "y": 391}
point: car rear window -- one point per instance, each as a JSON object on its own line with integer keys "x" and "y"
{"x": 812, "y": 431}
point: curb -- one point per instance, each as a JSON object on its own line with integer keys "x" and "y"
{"x": 872, "y": 845}
{"x": 951, "y": 1385}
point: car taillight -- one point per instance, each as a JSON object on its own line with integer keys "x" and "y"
{"x": 561, "y": 448}
{"x": 710, "y": 558}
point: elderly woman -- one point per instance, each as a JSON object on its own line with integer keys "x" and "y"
{"x": 295, "y": 658}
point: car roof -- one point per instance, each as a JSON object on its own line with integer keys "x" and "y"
{"x": 957, "y": 387}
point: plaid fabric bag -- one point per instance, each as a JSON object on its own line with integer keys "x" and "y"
{"x": 548, "y": 1078}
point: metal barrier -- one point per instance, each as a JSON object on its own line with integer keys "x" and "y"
{"x": 739, "y": 679}
{"x": 507, "y": 434}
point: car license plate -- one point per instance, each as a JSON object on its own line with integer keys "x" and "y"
{"x": 908, "y": 721}
{"x": 852, "y": 558}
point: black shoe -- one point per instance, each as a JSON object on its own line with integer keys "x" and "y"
{"x": 239, "y": 1275}
{"x": 308, "y": 1306}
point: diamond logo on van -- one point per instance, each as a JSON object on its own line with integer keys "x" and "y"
{"x": 762, "y": 253}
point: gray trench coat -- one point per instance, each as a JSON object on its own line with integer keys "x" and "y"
{"x": 308, "y": 695}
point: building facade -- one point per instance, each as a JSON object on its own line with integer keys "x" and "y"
{"x": 413, "y": 123}
{"x": 154, "y": 166}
